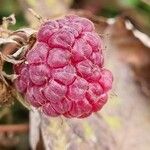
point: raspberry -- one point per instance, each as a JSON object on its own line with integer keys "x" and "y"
{"x": 63, "y": 72}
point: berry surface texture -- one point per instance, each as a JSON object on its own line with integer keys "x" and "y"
{"x": 63, "y": 73}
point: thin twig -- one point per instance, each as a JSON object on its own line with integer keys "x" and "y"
{"x": 40, "y": 18}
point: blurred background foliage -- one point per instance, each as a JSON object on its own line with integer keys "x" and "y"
{"x": 139, "y": 10}
{"x": 8, "y": 7}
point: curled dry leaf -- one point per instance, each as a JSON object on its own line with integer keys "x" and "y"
{"x": 16, "y": 40}
{"x": 132, "y": 50}
{"x": 5, "y": 41}
{"x": 128, "y": 113}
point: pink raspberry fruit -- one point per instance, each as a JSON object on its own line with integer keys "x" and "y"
{"x": 63, "y": 72}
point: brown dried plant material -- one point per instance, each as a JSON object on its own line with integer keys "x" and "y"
{"x": 6, "y": 97}
{"x": 9, "y": 20}
{"x": 19, "y": 38}
{"x": 4, "y": 32}
{"x": 7, "y": 93}
{"x": 140, "y": 19}
{"x": 133, "y": 49}
{"x": 12, "y": 47}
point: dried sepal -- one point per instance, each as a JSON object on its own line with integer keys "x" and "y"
{"x": 13, "y": 46}
{"x": 6, "y": 40}
{"x": 11, "y": 77}
{"x": 4, "y": 32}
{"x": 9, "y": 20}
{"x": 10, "y": 59}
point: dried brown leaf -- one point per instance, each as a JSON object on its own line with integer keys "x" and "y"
{"x": 6, "y": 97}
{"x": 132, "y": 50}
